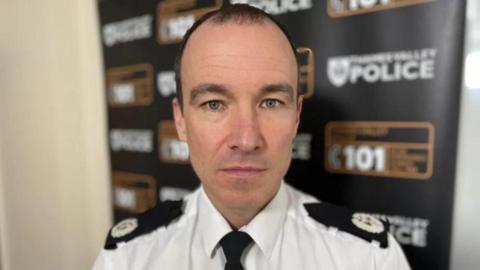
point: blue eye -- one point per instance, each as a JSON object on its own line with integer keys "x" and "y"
{"x": 214, "y": 105}
{"x": 271, "y": 103}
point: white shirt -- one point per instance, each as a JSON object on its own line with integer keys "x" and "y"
{"x": 284, "y": 238}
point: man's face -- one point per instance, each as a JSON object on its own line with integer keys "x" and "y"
{"x": 240, "y": 111}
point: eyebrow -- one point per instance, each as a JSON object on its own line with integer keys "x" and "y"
{"x": 204, "y": 89}
{"x": 279, "y": 88}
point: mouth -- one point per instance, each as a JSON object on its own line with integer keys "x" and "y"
{"x": 243, "y": 171}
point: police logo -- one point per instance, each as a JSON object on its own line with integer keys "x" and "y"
{"x": 338, "y": 69}
{"x": 367, "y": 223}
{"x": 124, "y": 227}
{"x": 340, "y": 8}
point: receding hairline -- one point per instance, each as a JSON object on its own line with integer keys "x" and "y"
{"x": 241, "y": 14}
{"x": 202, "y": 33}
{"x": 211, "y": 23}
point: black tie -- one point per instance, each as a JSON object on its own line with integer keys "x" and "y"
{"x": 233, "y": 244}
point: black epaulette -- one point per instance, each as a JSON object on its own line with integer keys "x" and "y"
{"x": 361, "y": 225}
{"x": 161, "y": 215}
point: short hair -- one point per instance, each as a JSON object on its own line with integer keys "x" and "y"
{"x": 236, "y": 13}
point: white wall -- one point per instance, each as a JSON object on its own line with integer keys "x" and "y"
{"x": 466, "y": 242}
{"x": 55, "y": 206}
{"x": 3, "y": 254}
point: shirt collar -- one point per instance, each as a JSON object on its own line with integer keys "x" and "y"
{"x": 264, "y": 228}
{"x": 211, "y": 224}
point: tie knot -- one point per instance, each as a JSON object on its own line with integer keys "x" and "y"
{"x": 233, "y": 244}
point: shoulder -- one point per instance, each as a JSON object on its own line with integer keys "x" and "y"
{"x": 128, "y": 229}
{"x": 361, "y": 225}
{"x": 332, "y": 217}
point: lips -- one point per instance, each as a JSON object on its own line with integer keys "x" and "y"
{"x": 243, "y": 171}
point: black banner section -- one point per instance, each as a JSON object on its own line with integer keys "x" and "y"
{"x": 378, "y": 131}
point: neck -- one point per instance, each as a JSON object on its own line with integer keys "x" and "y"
{"x": 238, "y": 216}
{"x": 239, "y": 209}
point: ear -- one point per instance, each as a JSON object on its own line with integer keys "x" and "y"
{"x": 179, "y": 120}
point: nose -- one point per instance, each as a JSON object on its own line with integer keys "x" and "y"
{"x": 246, "y": 135}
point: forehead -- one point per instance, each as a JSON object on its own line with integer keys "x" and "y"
{"x": 238, "y": 53}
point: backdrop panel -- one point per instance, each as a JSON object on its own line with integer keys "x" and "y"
{"x": 378, "y": 131}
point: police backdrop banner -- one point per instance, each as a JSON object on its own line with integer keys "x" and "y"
{"x": 378, "y": 131}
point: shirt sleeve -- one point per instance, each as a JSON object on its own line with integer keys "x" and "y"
{"x": 392, "y": 258}
{"x": 106, "y": 261}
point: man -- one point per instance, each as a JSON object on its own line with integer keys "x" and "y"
{"x": 238, "y": 108}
